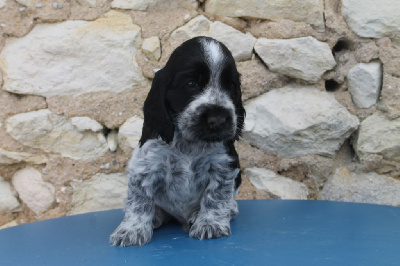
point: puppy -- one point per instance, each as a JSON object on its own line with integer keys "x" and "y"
{"x": 186, "y": 166}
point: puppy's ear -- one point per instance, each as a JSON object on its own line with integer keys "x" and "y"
{"x": 157, "y": 122}
{"x": 240, "y": 111}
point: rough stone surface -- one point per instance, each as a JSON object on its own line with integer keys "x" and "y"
{"x": 256, "y": 79}
{"x": 372, "y": 19}
{"x": 10, "y": 157}
{"x": 305, "y": 58}
{"x": 8, "y": 202}
{"x": 129, "y": 134}
{"x": 296, "y": 121}
{"x": 362, "y": 187}
{"x": 74, "y": 57}
{"x": 3, "y": 3}
{"x": 148, "y": 5}
{"x": 86, "y": 123}
{"x": 53, "y": 133}
{"x": 240, "y": 44}
{"x": 390, "y": 96}
{"x": 310, "y": 11}
{"x": 33, "y": 191}
{"x": 108, "y": 108}
{"x": 284, "y": 29}
{"x": 151, "y": 47}
{"x": 365, "y": 81}
{"x": 379, "y": 135}
{"x": 10, "y": 224}
{"x": 91, "y": 3}
{"x": 160, "y": 23}
{"x": 389, "y": 54}
{"x": 99, "y": 193}
{"x": 280, "y": 186}
{"x": 365, "y": 52}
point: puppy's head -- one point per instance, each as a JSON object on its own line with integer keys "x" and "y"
{"x": 197, "y": 94}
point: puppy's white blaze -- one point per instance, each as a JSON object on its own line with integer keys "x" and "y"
{"x": 213, "y": 53}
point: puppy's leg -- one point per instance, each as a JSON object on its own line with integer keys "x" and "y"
{"x": 136, "y": 228}
{"x": 160, "y": 217}
{"x": 216, "y": 210}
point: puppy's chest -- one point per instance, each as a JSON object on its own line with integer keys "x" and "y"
{"x": 190, "y": 168}
{"x": 183, "y": 169}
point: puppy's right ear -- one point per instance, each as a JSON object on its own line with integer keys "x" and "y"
{"x": 157, "y": 122}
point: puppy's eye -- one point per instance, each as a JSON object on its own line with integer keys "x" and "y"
{"x": 191, "y": 84}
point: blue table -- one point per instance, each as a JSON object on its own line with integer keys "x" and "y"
{"x": 266, "y": 232}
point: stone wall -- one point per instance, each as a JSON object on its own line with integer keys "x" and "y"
{"x": 320, "y": 80}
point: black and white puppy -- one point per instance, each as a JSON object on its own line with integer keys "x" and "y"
{"x": 186, "y": 166}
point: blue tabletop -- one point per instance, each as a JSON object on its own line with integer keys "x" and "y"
{"x": 266, "y": 232}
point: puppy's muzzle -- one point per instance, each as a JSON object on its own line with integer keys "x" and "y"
{"x": 218, "y": 118}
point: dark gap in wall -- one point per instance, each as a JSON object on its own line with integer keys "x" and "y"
{"x": 106, "y": 131}
{"x": 341, "y": 45}
{"x": 331, "y": 85}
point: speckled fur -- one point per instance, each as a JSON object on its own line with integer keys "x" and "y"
{"x": 185, "y": 177}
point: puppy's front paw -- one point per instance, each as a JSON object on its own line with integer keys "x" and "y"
{"x": 131, "y": 236}
{"x": 203, "y": 230}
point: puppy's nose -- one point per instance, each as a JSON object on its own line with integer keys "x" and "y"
{"x": 216, "y": 121}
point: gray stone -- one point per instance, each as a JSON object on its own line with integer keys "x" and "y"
{"x": 74, "y": 57}
{"x": 379, "y": 135}
{"x": 3, "y": 3}
{"x": 296, "y": 121}
{"x": 86, "y": 123}
{"x": 54, "y": 133}
{"x": 129, "y": 134}
{"x": 280, "y": 186}
{"x": 361, "y": 187}
{"x": 33, "y": 191}
{"x": 240, "y": 44}
{"x": 154, "y": 5}
{"x": 365, "y": 81}
{"x": 305, "y": 58}
{"x": 100, "y": 192}
{"x": 372, "y": 19}
{"x": 8, "y": 202}
{"x": 92, "y": 3}
{"x": 112, "y": 140}
{"x": 310, "y": 11}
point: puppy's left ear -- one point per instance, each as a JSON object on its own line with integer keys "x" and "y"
{"x": 157, "y": 122}
{"x": 240, "y": 111}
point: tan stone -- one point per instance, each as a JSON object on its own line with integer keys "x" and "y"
{"x": 390, "y": 96}
{"x": 389, "y": 54}
{"x": 160, "y": 23}
{"x": 284, "y": 29}
{"x": 53, "y": 133}
{"x": 10, "y": 157}
{"x": 256, "y": 79}
{"x": 151, "y": 47}
{"x": 310, "y": 11}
